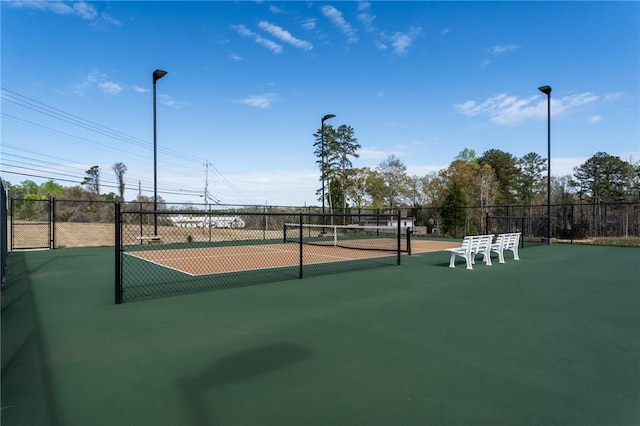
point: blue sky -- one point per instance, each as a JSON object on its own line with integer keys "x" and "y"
{"x": 248, "y": 83}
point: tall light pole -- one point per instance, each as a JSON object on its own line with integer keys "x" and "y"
{"x": 547, "y": 91}
{"x": 325, "y": 118}
{"x": 157, "y": 75}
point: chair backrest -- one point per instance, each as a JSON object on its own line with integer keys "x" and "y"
{"x": 511, "y": 240}
{"x": 480, "y": 242}
{"x": 466, "y": 242}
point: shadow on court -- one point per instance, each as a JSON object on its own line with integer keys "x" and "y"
{"x": 237, "y": 367}
{"x": 28, "y": 385}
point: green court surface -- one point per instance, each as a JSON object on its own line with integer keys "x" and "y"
{"x": 553, "y": 339}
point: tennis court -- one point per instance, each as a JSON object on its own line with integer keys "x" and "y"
{"x": 217, "y": 260}
{"x": 168, "y": 265}
{"x": 551, "y": 339}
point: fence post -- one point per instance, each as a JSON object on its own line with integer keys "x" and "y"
{"x": 118, "y": 253}
{"x": 52, "y": 222}
{"x": 486, "y": 223}
{"x": 398, "y": 217}
{"x": 12, "y": 213}
{"x": 572, "y": 224}
{"x": 300, "y": 232}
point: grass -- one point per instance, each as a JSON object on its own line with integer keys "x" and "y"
{"x": 607, "y": 241}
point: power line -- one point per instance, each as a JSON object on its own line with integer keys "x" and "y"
{"x": 58, "y": 114}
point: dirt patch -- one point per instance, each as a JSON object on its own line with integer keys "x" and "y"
{"x": 84, "y": 234}
{"x": 103, "y": 234}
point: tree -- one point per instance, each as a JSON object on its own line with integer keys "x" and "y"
{"x": 453, "y": 209}
{"x": 29, "y": 187}
{"x": 342, "y": 147}
{"x": 506, "y": 170}
{"x": 51, "y": 189}
{"x": 92, "y": 180}
{"x": 467, "y": 154}
{"x": 323, "y": 141}
{"x": 396, "y": 182}
{"x": 120, "y": 169}
{"x": 529, "y": 180}
{"x": 376, "y": 189}
{"x": 478, "y": 184}
{"x": 357, "y": 188}
{"x": 603, "y": 178}
{"x": 334, "y": 160}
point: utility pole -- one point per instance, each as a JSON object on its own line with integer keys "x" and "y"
{"x": 206, "y": 185}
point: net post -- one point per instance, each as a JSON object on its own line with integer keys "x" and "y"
{"x": 284, "y": 232}
{"x": 118, "y": 254}
{"x": 300, "y": 243}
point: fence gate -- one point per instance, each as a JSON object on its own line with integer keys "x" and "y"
{"x": 31, "y": 224}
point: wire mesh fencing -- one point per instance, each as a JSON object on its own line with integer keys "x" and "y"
{"x": 167, "y": 253}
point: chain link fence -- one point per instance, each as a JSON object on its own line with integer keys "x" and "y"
{"x": 167, "y": 253}
{"x": 59, "y": 223}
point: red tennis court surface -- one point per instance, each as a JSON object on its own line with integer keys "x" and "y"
{"x": 425, "y": 246}
{"x": 216, "y": 260}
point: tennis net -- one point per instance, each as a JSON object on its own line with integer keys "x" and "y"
{"x": 358, "y": 237}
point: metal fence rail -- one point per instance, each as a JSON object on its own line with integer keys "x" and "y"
{"x": 198, "y": 251}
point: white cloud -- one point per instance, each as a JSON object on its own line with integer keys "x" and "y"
{"x": 374, "y": 154}
{"x": 109, "y": 20}
{"x": 285, "y": 35}
{"x": 110, "y": 87}
{"x": 269, "y": 44}
{"x": 275, "y": 9}
{"x": 309, "y": 24}
{"x": 497, "y": 50}
{"x": 336, "y": 18}
{"x": 402, "y": 41}
{"x": 445, "y": 31}
{"x": 594, "y": 119}
{"x": 365, "y": 17}
{"x": 140, "y": 89}
{"x": 235, "y": 57}
{"x": 167, "y": 100}
{"x": 614, "y": 96}
{"x": 259, "y": 101}
{"x": 96, "y": 80}
{"x": 81, "y": 9}
{"x": 511, "y": 110}
{"x": 84, "y": 10}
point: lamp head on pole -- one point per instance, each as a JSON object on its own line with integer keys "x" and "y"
{"x": 158, "y": 74}
{"x": 328, "y": 116}
{"x": 545, "y": 89}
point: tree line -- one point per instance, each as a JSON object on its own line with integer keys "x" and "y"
{"x": 493, "y": 179}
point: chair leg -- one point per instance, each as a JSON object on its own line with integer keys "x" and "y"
{"x": 469, "y": 261}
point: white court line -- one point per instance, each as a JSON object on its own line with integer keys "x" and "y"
{"x": 160, "y": 264}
